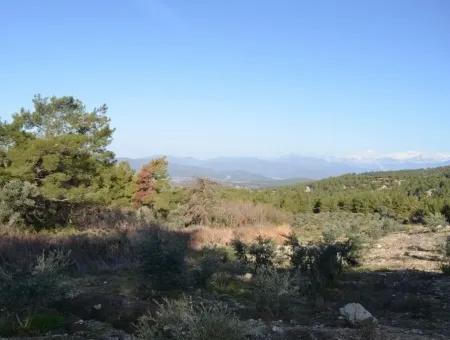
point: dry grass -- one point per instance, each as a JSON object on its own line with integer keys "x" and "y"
{"x": 203, "y": 236}
{"x": 240, "y": 214}
{"x": 93, "y": 249}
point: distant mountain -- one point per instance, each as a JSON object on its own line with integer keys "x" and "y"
{"x": 256, "y": 172}
{"x": 184, "y": 169}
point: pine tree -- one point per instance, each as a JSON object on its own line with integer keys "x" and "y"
{"x": 152, "y": 181}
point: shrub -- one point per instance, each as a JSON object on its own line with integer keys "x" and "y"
{"x": 317, "y": 206}
{"x": 260, "y": 253}
{"x": 384, "y": 212}
{"x": 216, "y": 322}
{"x": 162, "y": 255}
{"x": 271, "y": 290}
{"x": 169, "y": 321}
{"x": 434, "y": 220}
{"x": 446, "y": 211}
{"x": 212, "y": 259}
{"x": 26, "y": 289}
{"x": 331, "y": 234}
{"x": 351, "y": 250}
{"x": 263, "y": 252}
{"x": 182, "y": 319}
{"x": 220, "y": 280}
{"x": 447, "y": 247}
{"x": 20, "y": 202}
{"x": 145, "y": 214}
{"x": 390, "y": 225}
{"x": 322, "y": 262}
{"x": 33, "y": 325}
{"x": 240, "y": 249}
{"x": 417, "y": 216}
{"x": 338, "y": 224}
{"x": 445, "y": 265}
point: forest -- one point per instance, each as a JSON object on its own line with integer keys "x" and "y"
{"x": 90, "y": 248}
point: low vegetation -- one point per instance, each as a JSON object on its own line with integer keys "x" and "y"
{"x": 445, "y": 265}
{"x": 84, "y": 237}
{"x": 183, "y": 318}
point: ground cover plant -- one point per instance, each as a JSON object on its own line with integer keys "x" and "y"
{"x": 91, "y": 248}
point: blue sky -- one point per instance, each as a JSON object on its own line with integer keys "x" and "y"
{"x": 254, "y": 77}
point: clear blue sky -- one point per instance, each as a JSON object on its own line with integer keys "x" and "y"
{"x": 239, "y": 77}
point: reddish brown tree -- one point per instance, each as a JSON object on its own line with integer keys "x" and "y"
{"x": 151, "y": 180}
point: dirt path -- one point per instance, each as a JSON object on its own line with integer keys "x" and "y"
{"x": 417, "y": 249}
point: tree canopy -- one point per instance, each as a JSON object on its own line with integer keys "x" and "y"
{"x": 60, "y": 146}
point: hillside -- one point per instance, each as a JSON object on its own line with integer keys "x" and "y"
{"x": 92, "y": 249}
{"x": 257, "y": 172}
{"x": 407, "y": 195}
{"x": 185, "y": 170}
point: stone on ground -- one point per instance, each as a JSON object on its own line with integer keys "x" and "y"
{"x": 355, "y": 314}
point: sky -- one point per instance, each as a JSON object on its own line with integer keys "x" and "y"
{"x": 240, "y": 78}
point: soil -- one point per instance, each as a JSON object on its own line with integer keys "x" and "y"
{"x": 398, "y": 282}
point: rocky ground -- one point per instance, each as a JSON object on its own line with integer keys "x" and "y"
{"x": 416, "y": 249}
{"x": 398, "y": 284}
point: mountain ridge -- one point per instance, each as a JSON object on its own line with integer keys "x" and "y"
{"x": 254, "y": 171}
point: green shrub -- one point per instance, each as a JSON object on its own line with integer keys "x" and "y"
{"x": 445, "y": 265}
{"x": 447, "y": 247}
{"x": 20, "y": 203}
{"x": 211, "y": 261}
{"x": 25, "y": 289}
{"x": 162, "y": 256}
{"x": 389, "y": 225}
{"x": 145, "y": 214}
{"x": 34, "y": 325}
{"x": 220, "y": 281}
{"x": 182, "y": 319}
{"x": 417, "y": 216}
{"x": 216, "y": 322}
{"x": 169, "y": 321}
{"x": 351, "y": 250}
{"x": 322, "y": 263}
{"x": 446, "y": 211}
{"x": 317, "y": 206}
{"x": 53, "y": 263}
{"x": 331, "y": 234}
{"x": 434, "y": 220}
{"x": 263, "y": 252}
{"x": 271, "y": 291}
{"x": 334, "y": 225}
{"x": 240, "y": 250}
{"x": 260, "y": 253}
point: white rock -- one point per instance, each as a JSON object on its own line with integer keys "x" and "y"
{"x": 277, "y": 329}
{"x": 98, "y": 307}
{"x": 247, "y": 277}
{"x": 356, "y": 313}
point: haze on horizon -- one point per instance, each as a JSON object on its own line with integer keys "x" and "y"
{"x": 266, "y": 79}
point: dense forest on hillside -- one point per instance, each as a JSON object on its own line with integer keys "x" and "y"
{"x": 409, "y": 195}
{"x": 90, "y": 248}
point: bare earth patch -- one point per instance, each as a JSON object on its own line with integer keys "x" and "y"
{"x": 418, "y": 249}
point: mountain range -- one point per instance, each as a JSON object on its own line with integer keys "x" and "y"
{"x": 258, "y": 172}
